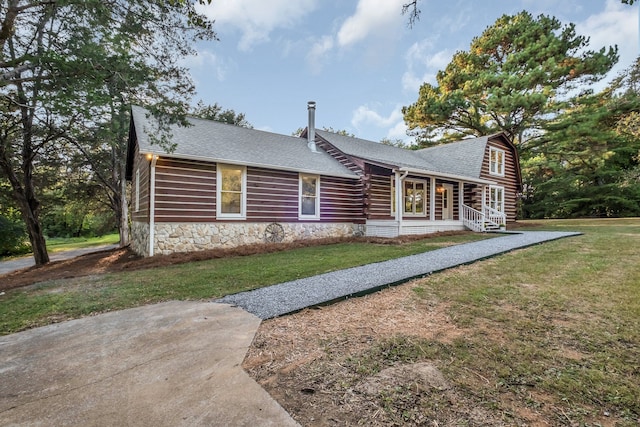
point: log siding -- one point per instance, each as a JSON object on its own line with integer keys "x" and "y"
{"x": 185, "y": 191}
{"x": 509, "y": 181}
{"x": 141, "y": 169}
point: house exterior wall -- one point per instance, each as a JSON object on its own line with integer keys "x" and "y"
{"x": 140, "y": 237}
{"x": 185, "y": 191}
{"x": 509, "y": 181}
{"x": 171, "y": 237}
{"x": 185, "y": 207}
{"x": 141, "y": 169}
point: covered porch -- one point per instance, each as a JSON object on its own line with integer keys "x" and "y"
{"x": 422, "y": 202}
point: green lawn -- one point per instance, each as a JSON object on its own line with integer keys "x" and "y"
{"x": 546, "y": 335}
{"x": 58, "y": 244}
{"x": 54, "y": 301}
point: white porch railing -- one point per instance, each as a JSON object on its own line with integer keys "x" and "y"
{"x": 473, "y": 219}
{"x": 494, "y": 218}
{"x": 489, "y": 219}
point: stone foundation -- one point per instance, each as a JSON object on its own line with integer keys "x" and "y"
{"x": 189, "y": 237}
{"x": 140, "y": 238}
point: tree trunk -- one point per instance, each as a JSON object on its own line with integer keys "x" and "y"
{"x": 36, "y": 235}
{"x": 24, "y": 194}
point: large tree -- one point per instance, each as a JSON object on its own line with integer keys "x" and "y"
{"x": 586, "y": 162}
{"x": 509, "y": 80}
{"x": 69, "y": 69}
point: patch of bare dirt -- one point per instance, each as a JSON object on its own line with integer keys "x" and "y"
{"x": 124, "y": 259}
{"x": 300, "y": 360}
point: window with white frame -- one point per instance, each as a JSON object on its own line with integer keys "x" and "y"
{"x": 496, "y": 198}
{"x": 414, "y": 196}
{"x": 137, "y": 207}
{"x": 309, "y": 190}
{"x": 231, "y": 192}
{"x": 496, "y": 161}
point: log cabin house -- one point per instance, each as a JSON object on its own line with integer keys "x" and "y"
{"x": 225, "y": 186}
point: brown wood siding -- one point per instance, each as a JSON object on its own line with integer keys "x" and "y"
{"x": 378, "y": 195}
{"x": 341, "y": 200}
{"x": 272, "y": 195}
{"x": 509, "y": 181}
{"x": 143, "y": 165}
{"x": 185, "y": 191}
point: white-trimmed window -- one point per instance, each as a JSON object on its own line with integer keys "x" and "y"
{"x": 309, "y": 200}
{"x": 496, "y": 161}
{"x": 231, "y": 192}
{"x": 496, "y": 198}
{"x": 414, "y": 193}
{"x": 137, "y": 204}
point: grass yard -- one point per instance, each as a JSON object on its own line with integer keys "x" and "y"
{"x": 59, "y": 300}
{"x": 548, "y": 335}
{"x": 58, "y": 244}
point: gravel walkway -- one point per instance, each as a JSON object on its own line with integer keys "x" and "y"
{"x": 289, "y": 297}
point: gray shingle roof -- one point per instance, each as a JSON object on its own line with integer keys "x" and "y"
{"x": 214, "y": 141}
{"x": 462, "y": 158}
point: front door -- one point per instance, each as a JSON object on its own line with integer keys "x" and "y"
{"x": 447, "y": 201}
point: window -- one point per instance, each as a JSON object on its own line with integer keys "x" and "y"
{"x": 231, "y": 192}
{"x": 414, "y": 197}
{"x": 309, "y": 206}
{"x": 137, "y": 190}
{"x": 496, "y": 198}
{"x": 496, "y": 161}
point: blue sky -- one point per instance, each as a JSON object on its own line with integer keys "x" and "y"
{"x": 358, "y": 59}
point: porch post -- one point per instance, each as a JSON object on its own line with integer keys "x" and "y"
{"x": 460, "y": 199}
{"x": 484, "y": 197}
{"x": 432, "y": 199}
{"x": 399, "y": 201}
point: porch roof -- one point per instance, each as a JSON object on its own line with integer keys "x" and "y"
{"x": 458, "y": 161}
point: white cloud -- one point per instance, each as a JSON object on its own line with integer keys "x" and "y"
{"x": 318, "y": 52}
{"x": 256, "y": 19}
{"x": 372, "y": 17}
{"x": 364, "y": 117}
{"x": 208, "y": 60}
{"x": 617, "y": 24}
{"x": 423, "y": 65}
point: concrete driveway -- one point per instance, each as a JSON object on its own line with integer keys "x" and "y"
{"x": 12, "y": 265}
{"x": 169, "y": 364}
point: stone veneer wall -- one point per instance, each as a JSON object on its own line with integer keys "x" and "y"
{"x": 188, "y": 237}
{"x": 140, "y": 238}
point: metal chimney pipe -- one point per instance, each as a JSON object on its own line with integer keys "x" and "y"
{"x": 311, "y": 130}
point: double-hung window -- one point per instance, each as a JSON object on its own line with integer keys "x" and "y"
{"x": 496, "y": 161}
{"x": 496, "y": 198}
{"x": 414, "y": 197}
{"x": 309, "y": 200}
{"x": 231, "y": 192}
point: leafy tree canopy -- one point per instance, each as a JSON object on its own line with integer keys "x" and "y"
{"x": 509, "y": 80}
{"x": 215, "y": 112}
{"x": 586, "y": 162}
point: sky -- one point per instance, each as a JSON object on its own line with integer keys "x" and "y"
{"x": 358, "y": 59}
